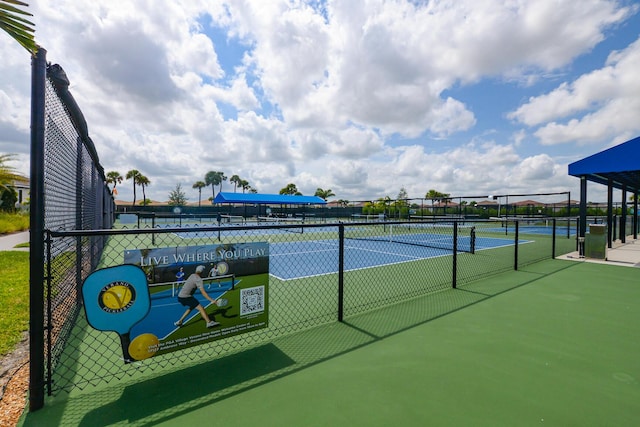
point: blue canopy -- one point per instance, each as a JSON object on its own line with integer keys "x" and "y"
{"x": 268, "y": 199}
{"x": 621, "y": 164}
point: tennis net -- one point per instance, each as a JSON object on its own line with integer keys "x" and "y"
{"x": 233, "y": 219}
{"x": 295, "y": 223}
{"x": 448, "y": 236}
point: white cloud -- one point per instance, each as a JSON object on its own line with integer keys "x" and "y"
{"x": 325, "y": 93}
{"x": 600, "y": 105}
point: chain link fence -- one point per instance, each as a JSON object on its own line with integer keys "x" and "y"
{"x": 319, "y": 274}
{"x": 68, "y": 192}
{"x": 320, "y": 271}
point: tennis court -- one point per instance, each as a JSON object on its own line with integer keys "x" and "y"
{"x": 537, "y": 226}
{"x": 318, "y": 257}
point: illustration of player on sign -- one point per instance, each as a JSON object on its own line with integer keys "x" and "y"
{"x": 186, "y": 298}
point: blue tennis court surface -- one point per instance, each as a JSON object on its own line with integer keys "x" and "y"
{"x": 293, "y": 260}
{"x": 534, "y": 229}
{"x": 165, "y": 309}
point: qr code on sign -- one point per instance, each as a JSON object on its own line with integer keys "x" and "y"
{"x": 251, "y": 300}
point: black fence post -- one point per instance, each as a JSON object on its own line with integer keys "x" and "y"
{"x": 36, "y": 228}
{"x": 340, "y": 272}
{"x": 515, "y": 255}
{"x": 553, "y": 240}
{"x": 454, "y": 279}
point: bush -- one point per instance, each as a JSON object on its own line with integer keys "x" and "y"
{"x": 13, "y": 222}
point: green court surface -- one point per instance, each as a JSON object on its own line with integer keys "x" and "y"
{"x": 555, "y": 343}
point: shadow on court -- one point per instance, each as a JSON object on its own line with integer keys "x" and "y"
{"x": 187, "y": 389}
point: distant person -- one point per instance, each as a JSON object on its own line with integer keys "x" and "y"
{"x": 214, "y": 271}
{"x": 186, "y": 298}
{"x": 180, "y": 275}
{"x": 219, "y": 218}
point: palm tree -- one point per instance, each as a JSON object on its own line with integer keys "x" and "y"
{"x": 143, "y": 181}
{"x": 8, "y": 173}
{"x": 324, "y": 194}
{"x": 434, "y": 195}
{"x": 133, "y": 175}
{"x": 199, "y": 185}
{"x": 244, "y": 184}
{"x": 236, "y": 181}
{"x": 17, "y": 27}
{"x": 210, "y": 179}
{"x": 214, "y": 178}
{"x": 222, "y": 178}
{"x": 290, "y": 189}
{"x": 114, "y": 177}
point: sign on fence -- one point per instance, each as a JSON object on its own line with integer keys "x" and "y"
{"x": 198, "y": 294}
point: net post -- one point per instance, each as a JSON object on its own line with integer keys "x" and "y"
{"x": 515, "y": 255}
{"x": 473, "y": 240}
{"x": 340, "y": 272}
{"x": 454, "y": 279}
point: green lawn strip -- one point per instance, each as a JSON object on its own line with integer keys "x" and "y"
{"x": 14, "y": 299}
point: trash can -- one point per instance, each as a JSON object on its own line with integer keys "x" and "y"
{"x": 595, "y": 242}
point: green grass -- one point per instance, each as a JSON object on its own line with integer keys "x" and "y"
{"x": 14, "y": 298}
{"x": 13, "y": 222}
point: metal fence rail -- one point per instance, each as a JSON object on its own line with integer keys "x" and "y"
{"x": 319, "y": 274}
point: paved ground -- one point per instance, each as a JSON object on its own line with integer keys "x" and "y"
{"x": 622, "y": 254}
{"x": 9, "y": 241}
{"x": 554, "y": 343}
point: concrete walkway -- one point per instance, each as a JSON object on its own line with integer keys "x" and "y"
{"x": 9, "y": 241}
{"x": 623, "y": 254}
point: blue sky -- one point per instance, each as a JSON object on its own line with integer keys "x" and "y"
{"x": 363, "y": 97}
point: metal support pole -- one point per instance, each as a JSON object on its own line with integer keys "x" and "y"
{"x": 623, "y": 215}
{"x": 36, "y": 229}
{"x": 553, "y": 239}
{"x": 609, "y": 212}
{"x": 635, "y": 213}
{"x": 454, "y": 279}
{"x": 340, "y": 272}
{"x": 568, "y": 215}
{"x": 515, "y": 254}
{"x": 582, "y": 223}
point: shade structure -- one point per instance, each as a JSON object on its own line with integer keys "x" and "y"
{"x": 268, "y": 199}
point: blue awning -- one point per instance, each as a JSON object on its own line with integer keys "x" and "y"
{"x": 621, "y": 164}
{"x": 268, "y": 199}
